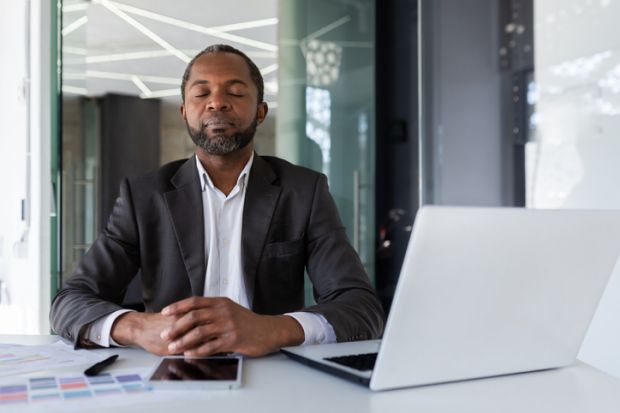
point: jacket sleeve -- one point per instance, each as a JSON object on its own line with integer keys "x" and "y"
{"x": 342, "y": 289}
{"x": 99, "y": 283}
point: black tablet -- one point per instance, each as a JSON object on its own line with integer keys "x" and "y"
{"x": 178, "y": 372}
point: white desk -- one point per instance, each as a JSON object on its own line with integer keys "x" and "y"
{"x": 276, "y": 384}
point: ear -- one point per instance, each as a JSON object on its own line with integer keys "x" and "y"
{"x": 261, "y": 112}
{"x": 183, "y": 115}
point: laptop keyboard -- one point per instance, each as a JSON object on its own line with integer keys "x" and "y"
{"x": 361, "y": 362}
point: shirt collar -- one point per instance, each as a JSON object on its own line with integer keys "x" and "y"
{"x": 205, "y": 179}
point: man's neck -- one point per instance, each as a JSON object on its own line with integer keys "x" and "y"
{"x": 224, "y": 170}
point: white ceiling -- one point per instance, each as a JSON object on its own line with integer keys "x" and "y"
{"x": 141, "y": 47}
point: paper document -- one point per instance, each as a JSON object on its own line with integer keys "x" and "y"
{"x": 69, "y": 393}
{"x": 68, "y": 387}
{"x": 16, "y": 359}
{"x": 75, "y": 392}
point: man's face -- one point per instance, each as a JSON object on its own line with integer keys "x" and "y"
{"x": 221, "y": 109}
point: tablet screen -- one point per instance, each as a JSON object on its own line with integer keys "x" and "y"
{"x": 197, "y": 369}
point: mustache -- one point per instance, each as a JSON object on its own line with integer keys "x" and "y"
{"x": 216, "y": 121}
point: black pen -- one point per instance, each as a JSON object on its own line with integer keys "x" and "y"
{"x": 98, "y": 367}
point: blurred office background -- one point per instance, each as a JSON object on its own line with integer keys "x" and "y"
{"x": 399, "y": 102}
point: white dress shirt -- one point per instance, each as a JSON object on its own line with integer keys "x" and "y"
{"x": 223, "y": 220}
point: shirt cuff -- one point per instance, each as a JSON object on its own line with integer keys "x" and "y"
{"x": 317, "y": 330}
{"x": 100, "y": 329}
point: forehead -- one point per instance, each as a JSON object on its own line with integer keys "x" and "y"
{"x": 220, "y": 67}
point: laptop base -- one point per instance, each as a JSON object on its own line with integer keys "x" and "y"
{"x": 365, "y": 381}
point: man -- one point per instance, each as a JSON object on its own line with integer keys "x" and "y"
{"x": 221, "y": 241}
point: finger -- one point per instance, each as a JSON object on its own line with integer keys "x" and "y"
{"x": 195, "y": 338}
{"x": 188, "y": 304}
{"x": 214, "y": 346}
{"x": 187, "y": 322}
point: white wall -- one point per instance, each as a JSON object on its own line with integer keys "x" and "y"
{"x": 25, "y": 120}
{"x": 574, "y": 161}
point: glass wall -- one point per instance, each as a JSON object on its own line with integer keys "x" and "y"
{"x": 317, "y": 59}
{"x": 572, "y": 158}
{"x": 572, "y": 162}
{"x": 326, "y": 105}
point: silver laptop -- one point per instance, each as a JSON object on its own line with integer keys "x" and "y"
{"x": 484, "y": 292}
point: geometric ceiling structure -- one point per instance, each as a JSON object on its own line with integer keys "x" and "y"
{"x": 141, "y": 47}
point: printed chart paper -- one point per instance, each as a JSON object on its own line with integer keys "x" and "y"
{"x": 27, "y": 359}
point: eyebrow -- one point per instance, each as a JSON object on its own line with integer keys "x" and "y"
{"x": 228, "y": 82}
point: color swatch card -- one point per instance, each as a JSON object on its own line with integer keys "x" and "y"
{"x": 42, "y": 390}
{"x": 26, "y": 359}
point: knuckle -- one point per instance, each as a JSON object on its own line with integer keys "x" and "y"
{"x": 226, "y": 325}
{"x": 172, "y": 308}
{"x": 202, "y": 331}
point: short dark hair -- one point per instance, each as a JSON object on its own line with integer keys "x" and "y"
{"x": 255, "y": 74}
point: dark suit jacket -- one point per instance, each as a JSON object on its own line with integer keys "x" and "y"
{"x": 290, "y": 222}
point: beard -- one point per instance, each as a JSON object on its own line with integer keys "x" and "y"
{"x": 219, "y": 143}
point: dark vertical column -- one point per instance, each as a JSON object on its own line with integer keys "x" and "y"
{"x": 516, "y": 57}
{"x": 129, "y": 143}
{"x": 397, "y": 144}
{"x": 130, "y": 129}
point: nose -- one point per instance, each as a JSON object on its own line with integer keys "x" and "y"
{"x": 218, "y": 101}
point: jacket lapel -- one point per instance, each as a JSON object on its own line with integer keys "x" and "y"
{"x": 261, "y": 199}
{"x": 185, "y": 208}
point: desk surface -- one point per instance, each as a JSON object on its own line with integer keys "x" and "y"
{"x": 277, "y": 384}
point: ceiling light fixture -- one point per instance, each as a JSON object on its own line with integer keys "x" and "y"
{"x": 74, "y": 50}
{"x": 127, "y": 56}
{"x": 128, "y": 76}
{"x": 74, "y": 90}
{"x": 268, "y": 69}
{"x": 140, "y": 85}
{"x": 148, "y": 33}
{"x": 146, "y": 54}
{"x": 246, "y": 25}
{"x": 162, "y": 93}
{"x": 73, "y": 76}
{"x": 194, "y": 27}
{"x": 325, "y": 29}
{"x": 75, "y": 7}
{"x": 75, "y": 25}
{"x": 261, "y": 53}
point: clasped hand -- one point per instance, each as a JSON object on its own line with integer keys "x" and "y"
{"x": 202, "y": 326}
